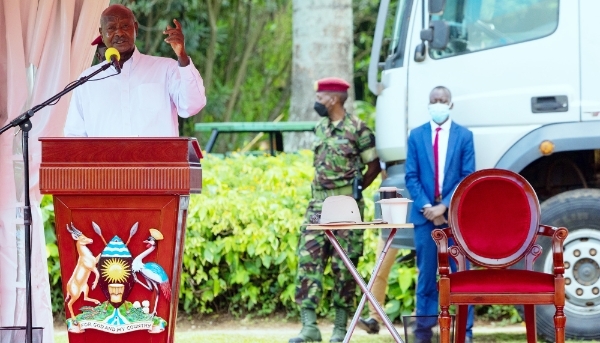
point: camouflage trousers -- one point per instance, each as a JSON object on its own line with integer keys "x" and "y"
{"x": 314, "y": 250}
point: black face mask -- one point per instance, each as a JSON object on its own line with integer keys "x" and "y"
{"x": 321, "y": 109}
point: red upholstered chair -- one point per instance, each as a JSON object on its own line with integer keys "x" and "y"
{"x": 493, "y": 219}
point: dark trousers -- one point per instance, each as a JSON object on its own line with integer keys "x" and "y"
{"x": 427, "y": 292}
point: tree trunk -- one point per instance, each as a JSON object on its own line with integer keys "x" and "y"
{"x": 322, "y": 47}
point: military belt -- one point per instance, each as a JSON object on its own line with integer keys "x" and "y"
{"x": 322, "y": 194}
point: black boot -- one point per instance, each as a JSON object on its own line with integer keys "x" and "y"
{"x": 310, "y": 332}
{"x": 339, "y": 325}
{"x": 370, "y": 325}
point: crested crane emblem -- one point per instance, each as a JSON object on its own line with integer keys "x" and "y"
{"x": 116, "y": 275}
{"x": 153, "y": 273}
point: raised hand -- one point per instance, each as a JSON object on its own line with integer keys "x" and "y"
{"x": 176, "y": 40}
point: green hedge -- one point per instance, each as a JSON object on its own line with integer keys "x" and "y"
{"x": 241, "y": 239}
{"x": 243, "y": 233}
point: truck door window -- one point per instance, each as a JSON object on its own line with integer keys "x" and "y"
{"x": 398, "y": 32}
{"x": 477, "y": 25}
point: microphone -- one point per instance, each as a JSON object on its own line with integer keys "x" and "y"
{"x": 112, "y": 56}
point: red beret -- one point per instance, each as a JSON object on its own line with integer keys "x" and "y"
{"x": 331, "y": 84}
{"x": 97, "y": 41}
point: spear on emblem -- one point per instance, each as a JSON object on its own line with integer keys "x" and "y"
{"x": 98, "y": 232}
{"x": 132, "y": 232}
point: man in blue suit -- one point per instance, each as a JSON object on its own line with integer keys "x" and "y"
{"x": 440, "y": 155}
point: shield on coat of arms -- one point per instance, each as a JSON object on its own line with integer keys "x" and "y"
{"x": 116, "y": 276}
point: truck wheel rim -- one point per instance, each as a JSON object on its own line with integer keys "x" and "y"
{"x": 582, "y": 270}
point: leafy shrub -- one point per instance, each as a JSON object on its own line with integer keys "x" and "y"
{"x": 243, "y": 233}
{"x": 52, "y": 255}
{"x": 241, "y": 240}
{"x": 505, "y": 314}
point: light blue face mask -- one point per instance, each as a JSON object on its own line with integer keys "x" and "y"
{"x": 439, "y": 112}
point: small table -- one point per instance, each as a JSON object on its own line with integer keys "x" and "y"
{"x": 366, "y": 289}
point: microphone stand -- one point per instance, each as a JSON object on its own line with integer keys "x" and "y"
{"x": 24, "y": 123}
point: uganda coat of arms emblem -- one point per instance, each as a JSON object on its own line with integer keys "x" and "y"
{"x": 116, "y": 280}
{"x": 115, "y": 272}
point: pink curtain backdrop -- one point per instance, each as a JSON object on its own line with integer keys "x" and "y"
{"x": 44, "y": 45}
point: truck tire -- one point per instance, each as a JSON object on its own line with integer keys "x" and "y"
{"x": 579, "y": 212}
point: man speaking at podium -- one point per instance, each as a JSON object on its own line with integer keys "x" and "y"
{"x": 148, "y": 94}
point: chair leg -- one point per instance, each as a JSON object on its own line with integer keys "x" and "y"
{"x": 445, "y": 321}
{"x": 560, "y": 321}
{"x": 460, "y": 328}
{"x": 530, "y": 323}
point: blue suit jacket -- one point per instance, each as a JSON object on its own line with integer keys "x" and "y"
{"x": 460, "y": 162}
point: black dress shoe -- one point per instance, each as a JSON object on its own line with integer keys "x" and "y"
{"x": 370, "y": 325}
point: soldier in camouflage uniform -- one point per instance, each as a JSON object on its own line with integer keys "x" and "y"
{"x": 344, "y": 146}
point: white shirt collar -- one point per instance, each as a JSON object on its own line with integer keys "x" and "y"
{"x": 445, "y": 126}
{"x": 134, "y": 59}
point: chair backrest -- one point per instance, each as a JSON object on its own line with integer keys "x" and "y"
{"x": 494, "y": 217}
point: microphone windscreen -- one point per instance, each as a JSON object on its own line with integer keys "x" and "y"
{"x": 112, "y": 52}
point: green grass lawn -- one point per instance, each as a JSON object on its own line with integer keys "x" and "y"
{"x": 276, "y": 336}
{"x": 241, "y": 337}
{"x": 223, "y": 329}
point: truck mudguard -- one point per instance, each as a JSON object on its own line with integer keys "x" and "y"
{"x": 565, "y": 137}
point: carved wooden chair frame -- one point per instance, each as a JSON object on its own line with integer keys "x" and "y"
{"x": 524, "y": 250}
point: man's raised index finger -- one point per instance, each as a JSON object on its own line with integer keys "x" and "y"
{"x": 177, "y": 24}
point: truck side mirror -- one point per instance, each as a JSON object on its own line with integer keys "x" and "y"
{"x": 438, "y": 34}
{"x": 420, "y": 51}
{"x": 436, "y": 6}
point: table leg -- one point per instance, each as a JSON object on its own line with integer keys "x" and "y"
{"x": 363, "y": 286}
{"x": 363, "y": 300}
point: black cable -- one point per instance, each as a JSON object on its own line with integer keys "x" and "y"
{"x": 105, "y": 77}
{"x": 71, "y": 83}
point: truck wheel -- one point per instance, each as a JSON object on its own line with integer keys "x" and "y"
{"x": 579, "y": 212}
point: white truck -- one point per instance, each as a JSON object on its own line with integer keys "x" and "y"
{"x": 525, "y": 79}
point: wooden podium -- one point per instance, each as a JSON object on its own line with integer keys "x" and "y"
{"x": 120, "y": 206}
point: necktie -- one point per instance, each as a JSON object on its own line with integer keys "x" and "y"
{"x": 436, "y": 161}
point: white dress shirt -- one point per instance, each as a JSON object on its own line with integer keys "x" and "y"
{"x": 144, "y": 100}
{"x": 443, "y": 136}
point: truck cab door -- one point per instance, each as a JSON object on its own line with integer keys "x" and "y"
{"x": 511, "y": 65}
{"x": 390, "y": 123}
{"x": 590, "y": 51}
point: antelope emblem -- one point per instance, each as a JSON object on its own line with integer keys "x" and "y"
{"x": 86, "y": 263}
